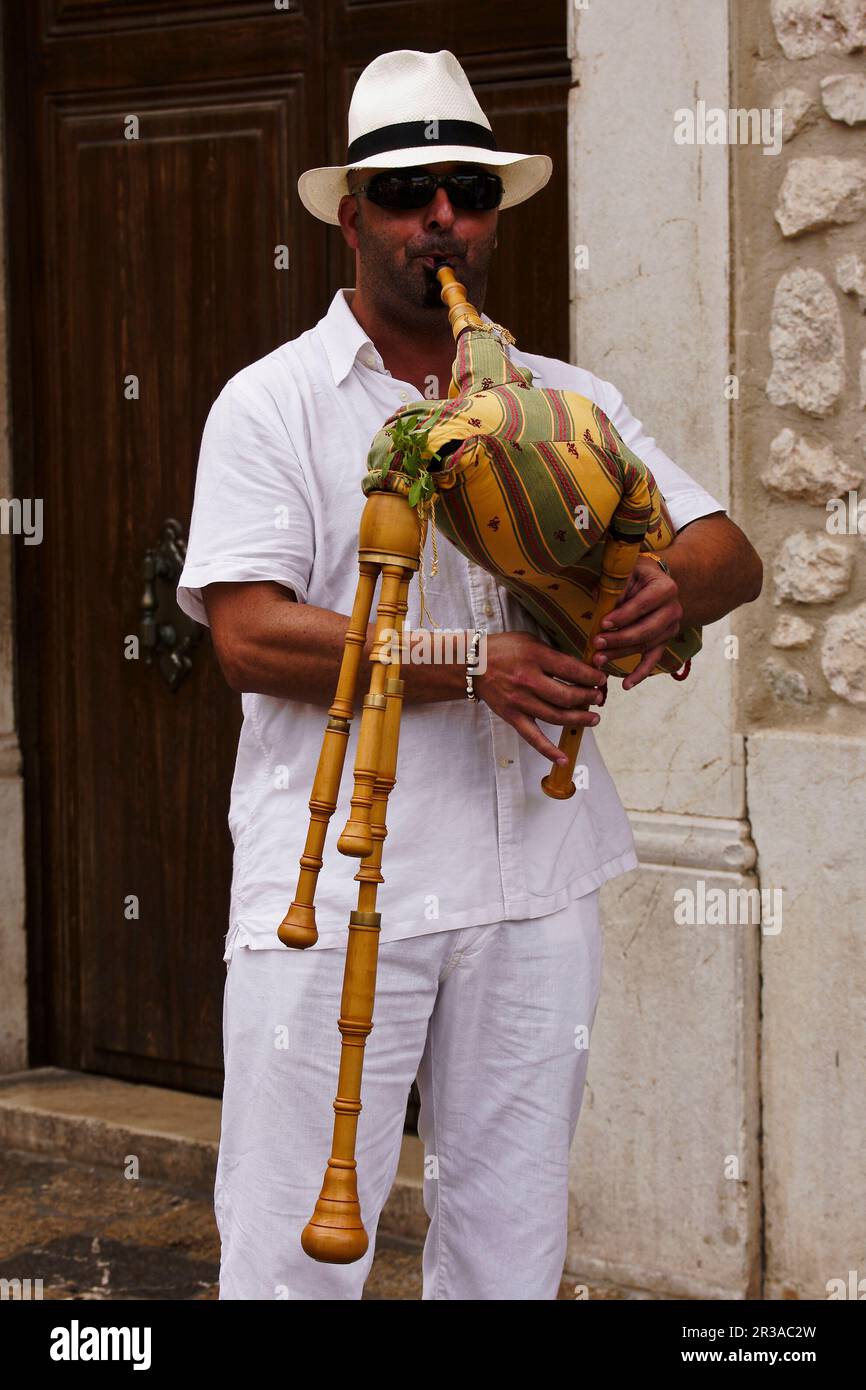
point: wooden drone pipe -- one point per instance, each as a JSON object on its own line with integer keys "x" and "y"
{"x": 389, "y": 541}
{"x": 335, "y": 1233}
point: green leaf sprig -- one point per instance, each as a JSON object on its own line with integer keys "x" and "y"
{"x": 409, "y": 436}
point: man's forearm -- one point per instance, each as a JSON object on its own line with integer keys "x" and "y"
{"x": 299, "y": 653}
{"x": 715, "y": 567}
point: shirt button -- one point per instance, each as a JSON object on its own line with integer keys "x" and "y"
{"x": 488, "y": 609}
{"x": 404, "y": 395}
{"x": 503, "y": 762}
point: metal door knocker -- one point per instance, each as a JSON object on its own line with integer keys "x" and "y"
{"x": 168, "y": 637}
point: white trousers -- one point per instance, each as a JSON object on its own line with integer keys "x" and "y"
{"x": 495, "y": 1022}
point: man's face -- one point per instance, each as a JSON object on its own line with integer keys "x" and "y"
{"x": 395, "y": 248}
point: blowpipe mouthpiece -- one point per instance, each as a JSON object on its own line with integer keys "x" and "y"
{"x": 461, "y": 314}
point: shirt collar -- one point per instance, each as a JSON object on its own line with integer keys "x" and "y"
{"x": 343, "y": 337}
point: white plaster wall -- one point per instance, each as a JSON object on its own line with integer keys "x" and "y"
{"x": 672, "y": 1105}
{"x": 665, "y": 1165}
{"x": 651, "y": 315}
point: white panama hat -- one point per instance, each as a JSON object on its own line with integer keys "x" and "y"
{"x": 411, "y": 108}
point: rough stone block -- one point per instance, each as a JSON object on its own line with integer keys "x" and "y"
{"x": 807, "y": 344}
{"x": 806, "y": 27}
{"x": 822, "y": 192}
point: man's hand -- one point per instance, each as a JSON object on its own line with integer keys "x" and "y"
{"x": 527, "y": 680}
{"x": 648, "y": 615}
{"x": 714, "y": 569}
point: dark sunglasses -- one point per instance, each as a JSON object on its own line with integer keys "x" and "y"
{"x": 476, "y": 190}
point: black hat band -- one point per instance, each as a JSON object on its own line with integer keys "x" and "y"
{"x": 406, "y": 135}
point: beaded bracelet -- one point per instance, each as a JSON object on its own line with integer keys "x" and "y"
{"x": 472, "y": 664}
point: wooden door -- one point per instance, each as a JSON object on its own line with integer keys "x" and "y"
{"x": 152, "y": 156}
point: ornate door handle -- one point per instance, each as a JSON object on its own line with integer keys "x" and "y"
{"x": 168, "y": 637}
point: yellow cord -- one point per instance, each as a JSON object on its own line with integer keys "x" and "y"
{"x": 427, "y": 506}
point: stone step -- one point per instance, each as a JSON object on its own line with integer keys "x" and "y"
{"x": 174, "y": 1134}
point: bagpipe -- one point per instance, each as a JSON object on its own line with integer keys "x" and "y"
{"x": 538, "y": 488}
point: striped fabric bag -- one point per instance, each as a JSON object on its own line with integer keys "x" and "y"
{"x": 528, "y": 483}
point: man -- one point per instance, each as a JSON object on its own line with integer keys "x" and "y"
{"x": 490, "y": 955}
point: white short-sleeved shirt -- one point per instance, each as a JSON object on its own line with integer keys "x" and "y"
{"x": 472, "y": 838}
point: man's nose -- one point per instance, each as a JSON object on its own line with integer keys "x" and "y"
{"x": 440, "y": 212}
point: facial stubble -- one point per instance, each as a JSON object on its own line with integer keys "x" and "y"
{"x": 402, "y": 285}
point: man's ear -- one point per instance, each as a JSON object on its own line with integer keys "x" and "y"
{"x": 348, "y": 214}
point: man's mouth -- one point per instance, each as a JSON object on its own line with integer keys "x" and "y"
{"x": 434, "y": 262}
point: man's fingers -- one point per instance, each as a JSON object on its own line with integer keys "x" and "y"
{"x": 644, "y": 668}
{"x": 564, "y": 694}
{"x": 569, "y": 671}
{"x": 537, "y": 708}
{"x": 662, "y": 624}
{"x": 655, "y": 591}
{"x": 528, "y": 729}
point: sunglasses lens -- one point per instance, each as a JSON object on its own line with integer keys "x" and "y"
{"x": 402, "y": 190}
{"x": 478, "y": 192}
{"x": 471, "y": 192}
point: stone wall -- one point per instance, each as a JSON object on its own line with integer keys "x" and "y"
{"x": 719, "y": 1153}
{"x": 800, "y": 444}
{"x": 800, "y": 308}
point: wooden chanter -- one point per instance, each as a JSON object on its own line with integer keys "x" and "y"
{"x": 390, "y": 543}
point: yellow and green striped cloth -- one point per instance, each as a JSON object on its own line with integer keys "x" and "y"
{"x": 529, "y": 482}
